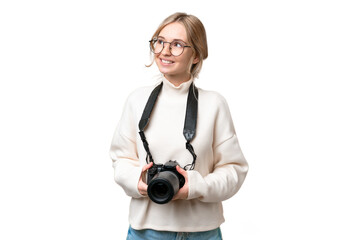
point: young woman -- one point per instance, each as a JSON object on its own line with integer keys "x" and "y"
{"x": 179, "y": 48}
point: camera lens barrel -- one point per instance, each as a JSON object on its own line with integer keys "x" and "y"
{"x": 163, "y": 187}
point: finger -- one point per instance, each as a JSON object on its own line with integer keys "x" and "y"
{"x": 182, "y": 172}
{"x": 144, "y": 169}
{"x": 179, "y": 195}
{"x": 147, "y": 166}
{"x": 142, "y": 188}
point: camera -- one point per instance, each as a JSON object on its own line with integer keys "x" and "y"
{"x": 164, "y": 181}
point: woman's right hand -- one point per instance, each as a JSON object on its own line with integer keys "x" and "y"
{"x": 142, "y": 187}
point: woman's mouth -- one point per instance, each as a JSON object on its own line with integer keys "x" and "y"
{"x": 166, "y": 62}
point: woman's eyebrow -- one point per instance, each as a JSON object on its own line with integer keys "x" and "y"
{"x": 176, "y": 39}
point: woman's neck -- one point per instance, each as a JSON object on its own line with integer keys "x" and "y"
{"x": 177, "y": 80}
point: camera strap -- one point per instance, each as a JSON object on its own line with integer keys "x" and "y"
{"x": 189, "y": 126}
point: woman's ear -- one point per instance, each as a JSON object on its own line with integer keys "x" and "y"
{"x": 196, "y": 60}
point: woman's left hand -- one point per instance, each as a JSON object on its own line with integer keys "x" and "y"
{"x": 184, "y": 191}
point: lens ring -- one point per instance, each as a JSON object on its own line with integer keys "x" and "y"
{"x": 176, "y": 54}
{"x": 160, "y": 191}
{"x": 152, "y": 44}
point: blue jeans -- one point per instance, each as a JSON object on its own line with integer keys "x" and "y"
{"x": 149, "y": 234}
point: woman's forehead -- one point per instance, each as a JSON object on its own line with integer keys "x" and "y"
{"x": 173, "y": 31}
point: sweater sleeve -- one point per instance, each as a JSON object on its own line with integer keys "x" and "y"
{"x": 123, "y": 152}
{"x": 230, "y": 167}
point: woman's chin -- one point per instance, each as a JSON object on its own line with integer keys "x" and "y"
{"x": 166, "y": 71}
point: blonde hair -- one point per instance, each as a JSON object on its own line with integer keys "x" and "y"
{"x": 196, "y": 36}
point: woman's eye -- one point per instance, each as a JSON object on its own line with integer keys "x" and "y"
{"x": 178, "y": 44}
{"x": 160, "y": 41}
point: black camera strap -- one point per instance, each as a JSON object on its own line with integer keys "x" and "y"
{"x": 189, "y": 126}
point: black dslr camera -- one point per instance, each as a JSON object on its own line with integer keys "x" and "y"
{"x": 164, "y": 181}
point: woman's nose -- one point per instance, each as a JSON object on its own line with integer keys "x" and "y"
{"x": 166, "y": 50}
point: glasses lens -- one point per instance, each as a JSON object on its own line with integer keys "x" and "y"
{"x": 156, "y": 46}
{"x": 177, "y": 48}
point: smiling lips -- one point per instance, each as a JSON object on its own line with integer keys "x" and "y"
{"x": 166, "y": 61}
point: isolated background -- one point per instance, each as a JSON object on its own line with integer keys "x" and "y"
{"x": 288, "y": 69}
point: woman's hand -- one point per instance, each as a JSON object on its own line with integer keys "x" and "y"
{"x": 184, "y": 191}
{"x": 142, "y": 187}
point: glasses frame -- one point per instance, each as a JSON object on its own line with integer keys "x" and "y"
{"x": 163, "y": 42}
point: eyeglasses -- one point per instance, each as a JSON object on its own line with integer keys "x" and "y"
{"x": 176, "y": 46}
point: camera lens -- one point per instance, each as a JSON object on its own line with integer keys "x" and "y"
{"x": 160, "y": 190}
{"x": 163, "y": 187}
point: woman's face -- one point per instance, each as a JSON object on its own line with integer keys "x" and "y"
{"x": 175, "y": 69}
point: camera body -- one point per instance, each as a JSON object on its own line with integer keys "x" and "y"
{"x": 164, "y": 181}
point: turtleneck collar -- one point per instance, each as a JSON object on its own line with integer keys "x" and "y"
{"x": 183, "y": 88}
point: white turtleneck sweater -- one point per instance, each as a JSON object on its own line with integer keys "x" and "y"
{"x": 220, "y": 166}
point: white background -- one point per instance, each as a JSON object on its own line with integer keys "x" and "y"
{"x": 288, "y": 69}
